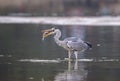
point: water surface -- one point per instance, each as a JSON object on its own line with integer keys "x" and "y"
{"x": 21, "y": 43}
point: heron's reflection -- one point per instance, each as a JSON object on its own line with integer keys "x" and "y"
{"x": 75, "y": 72}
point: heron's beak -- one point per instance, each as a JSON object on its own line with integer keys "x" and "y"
{"x": 47, "y": 33}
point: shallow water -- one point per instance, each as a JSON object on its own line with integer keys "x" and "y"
{"x": 25, "y": 57}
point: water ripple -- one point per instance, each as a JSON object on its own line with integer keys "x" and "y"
{"x": 79, "y": 60}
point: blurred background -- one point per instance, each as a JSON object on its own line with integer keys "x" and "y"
{"x": 60, "y": 7}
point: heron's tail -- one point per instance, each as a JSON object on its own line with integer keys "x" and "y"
{"x": 89, "y": 45}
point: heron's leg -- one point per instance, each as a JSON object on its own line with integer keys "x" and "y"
{"x": 76, "y": 55}
{"x": 69, "y": 54}
{"x": 69, "y": 65}
{"x": 76, "y": 65}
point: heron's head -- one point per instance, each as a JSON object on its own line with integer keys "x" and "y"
{"x": 47, "y": 32}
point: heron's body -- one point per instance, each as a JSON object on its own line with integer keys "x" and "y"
{"x": 75, "y": 44}
{"x": 72, "y": 44}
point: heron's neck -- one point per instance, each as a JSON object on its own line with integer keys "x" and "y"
{"x": 57, "y": 36}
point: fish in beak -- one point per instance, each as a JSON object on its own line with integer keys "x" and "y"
{"x": 47, "y": 32}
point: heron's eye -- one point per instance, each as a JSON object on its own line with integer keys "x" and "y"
{"x": 52, "y": 30}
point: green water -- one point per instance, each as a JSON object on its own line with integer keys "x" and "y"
{"x": 20, "y": 41}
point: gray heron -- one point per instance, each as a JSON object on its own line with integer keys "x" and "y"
{"x": 71, "y": 44}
